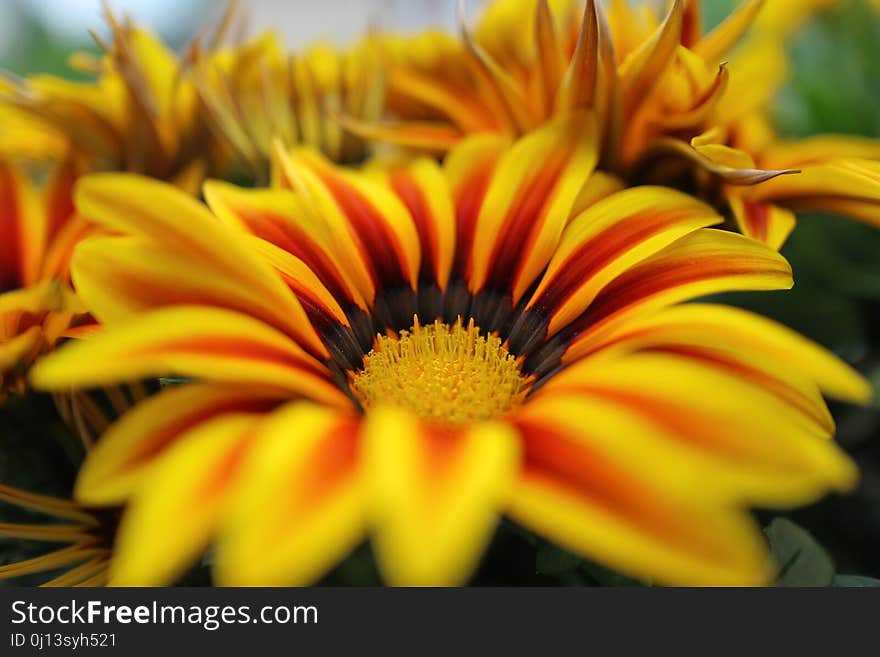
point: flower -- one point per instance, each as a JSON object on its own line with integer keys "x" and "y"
{"x": 676, "y": 106}
{"x": 138, "y": 115}
{"x": 256, "y": 92}
{"x": 87, "y": 535}
{"x": 38, "y": 231}
{"x": 407, "y": 352}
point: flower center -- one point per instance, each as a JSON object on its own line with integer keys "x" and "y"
{"x": 447, "y": 373}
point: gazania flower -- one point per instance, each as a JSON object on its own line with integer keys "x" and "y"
{"x": 670, "y": 110}
{"x": 86, "y": 536}
{"x": 138, "y": 115}
{"x": 256, "y": 92}
{"x": 408, "y": 353}
{"x": 38, "y": 231}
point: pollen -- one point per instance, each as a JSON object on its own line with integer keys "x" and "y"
{"x": 451, "y": 374}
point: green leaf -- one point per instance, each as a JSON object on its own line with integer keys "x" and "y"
{"x": 854, "y": 581}
{"x": 801, "y": 559}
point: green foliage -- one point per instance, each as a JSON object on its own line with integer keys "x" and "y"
{"x": 801, "y": 559}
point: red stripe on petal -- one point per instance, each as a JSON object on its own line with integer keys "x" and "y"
{"x": 371, "y": 233}
{"x": 468, "y": 201}
{"x": 519, "y": 231}
{"x": 599, "y": 251}
{"x": 11, "y": 274}
{"x": 409, "y": 192}
{"x": 778, "y": 387}
{"x": 333, "y": 460}
{"x": 159, "y": 440}
{"x": 286, "y": 235}
{"x": 559, "y": 461}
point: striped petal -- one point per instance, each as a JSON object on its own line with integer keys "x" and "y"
{"x": 425, "y": 192}
{"x": 746, "y": 335}
{"x": 846, "y": 186}
{"x": 769, "y": 224}
{"x": 280, "y": 218}
{"x": 436, "y": 494}
{"x": 118, "y": 462}
{"x": 141, "y": 206}
{"x": 529, "y": 202}
{"x": 772, "y": 455}
{"x": 22, "y": 230}
{"x": 120, "y": 277}
{"x": 369, "y": 225}
{"x": 300, "y": 507}
{"x": 705, "y": 262}
{"x": 171, "y": 522}
{"x": 608, "y": 239}
{"x": 469, "y": 168}
{"x": 206, "y": 343}
{"x": 589, "y": 493}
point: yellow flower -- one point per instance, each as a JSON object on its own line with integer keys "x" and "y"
{"x": 256, "y": 92}
{"x": 38, "y": 230}
{"x": 670, "y": 110}
{"x": 406, "y": 353}
{"x": 138, "y": 115}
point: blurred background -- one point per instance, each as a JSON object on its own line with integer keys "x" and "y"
{"x": 835, "y": 87}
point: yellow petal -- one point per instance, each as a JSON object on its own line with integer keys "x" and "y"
{"x": 705, "y": 262}
{"x": 607, "y": 240}
{"x": 141, "y": 206}
{"x": 764, "y": 222}
{"x": 642, "y": 69}
{"x": 300, "y": 507}
{"x": 280, "y": 217}
{"x": 424, "y": 190}
{"x": 766, "y": 452}
{"x": 174, "y": 517}
{"x": 714, "y": 46}
{"x": 529, "y": 202}
{"x": 119, "y": 277}
{"x": 743, "y": 333}
{"x": 117, "y": 465}
{"x": 605, "y": 505}
{"x": 191, "y": 341}
{"x": 435, "y": 494}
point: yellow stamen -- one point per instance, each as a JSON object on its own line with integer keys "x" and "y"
{"x": 447, "y": 373}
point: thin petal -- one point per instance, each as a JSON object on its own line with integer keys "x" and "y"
{"x": 642, "y": 69}
{"x": 714, "y": 46}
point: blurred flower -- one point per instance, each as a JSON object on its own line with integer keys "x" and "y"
{"x": 407, "y": 352}
{"x": 87, "y": 537}
{"x": 138, "y": 115}
{"x": 38, "y": 230}
{"x": 256, "y": 92}
{"x": 670, "y": 110}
